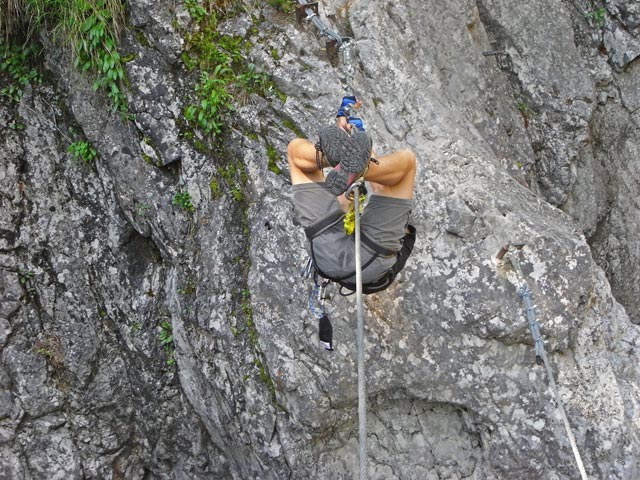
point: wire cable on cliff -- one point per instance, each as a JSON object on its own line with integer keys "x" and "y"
{"x": 524, "y": 292}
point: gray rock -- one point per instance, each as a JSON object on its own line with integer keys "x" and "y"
{"x": 622, "y": 32}
{"x": 139, "y": 340}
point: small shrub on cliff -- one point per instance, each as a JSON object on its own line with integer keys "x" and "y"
{"x": 166, "y": 340}
{"x": 82, "y": 151}
{"x": 89, "y": 28}
{"x": 96, "y": 51}
{"x": 214, "y": 102}
{"x": 597, "y": 16}
{"x": 15, "y": 62}
{"x": 182, "y": 200}
{"x": 225, "y": 74}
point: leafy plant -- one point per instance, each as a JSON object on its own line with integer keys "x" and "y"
{"x": 25, "y": 277}
{"x": 272, "y": 159}
{"x": 253, "y": 80}
{"x": 214, "y": 102}
{"x": 96, "y": 50}
{"x": 235, "y": 177}
{"x": 183, "y": 201}
{"x": 166, "y": 340}
{"x": 522, "y": 107}
{"x": 142, "y": 209}
{"x": 224, "y": 73}
{"x": 82, "y": 151}
{"x": 135, "y": 328}
{"x": 245, "y": 304}
{"x": 15, "y": 62}
{"x": 50, "y": 347}
{"x": 215, "y": 188}
{"x": 525, "y": 111}
{"x": 195, "y": 9}
{"x": 596, "y": 16}
{"x": 89, "y": 28}
{"x": 236, "y": 193}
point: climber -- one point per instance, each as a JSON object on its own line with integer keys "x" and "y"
{"x": 320, "y": 204}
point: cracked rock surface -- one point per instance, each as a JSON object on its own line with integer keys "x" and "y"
{"x": 524, "y": 117}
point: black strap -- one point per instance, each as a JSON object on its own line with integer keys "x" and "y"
{"x": 380, "y": 250}
{"x": 329, "y": 221}
{"x": 312, "y": 231}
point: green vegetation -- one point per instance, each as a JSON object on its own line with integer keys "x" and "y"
{"x": 292, "y": 126}
{"x": 235, "y": 177}
{"x": 285, "y": 6}
{"x": 188, "y": 289}
{"x": 215, "y": 188}
{"x": 89, "y": 28}
{"x": 272, "y": 158}
{"x": 147, "y": 159}
{"x": 82, "y": 151}
{"x": 196, "y": 11}
{"x": 245, "y": 304}
{"x": 245, "y": 307}
{"x": 166, "y": 340}
{"x": 51, "y": 348}
{"x": 96, "y": 50}
{"x": 252, "y": 80}
{"x": 25, "y": 277}
{"x": 596, "y": 16}
{"x": 142, "y": 209}
{"x": 182, "y": 200}
{"x": 252, "y": 336}
{"x": 135, "y": 328}
{"x": 15, "y": 61}
{"x": 522, "y": 107}
{"x": 223, "y": 71}
{"x": 214, "y": 102}
{"x": 526, "y": 113}
{"x": 265, "y": 378}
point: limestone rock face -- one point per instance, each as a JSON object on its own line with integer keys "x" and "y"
{"x": 141, "y": 340}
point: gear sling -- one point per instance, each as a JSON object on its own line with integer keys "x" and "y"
{"x": 313, "y": 231}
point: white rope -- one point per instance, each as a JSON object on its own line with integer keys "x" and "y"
{"x": 347, "y": 55}
{"x": 362, "y": 387}
{"x": 524, "y": 292}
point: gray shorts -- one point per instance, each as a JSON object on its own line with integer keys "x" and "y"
{"x": 383, "y": 221}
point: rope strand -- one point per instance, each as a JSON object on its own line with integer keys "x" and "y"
{"x": 524, "y": 292}
{"x": 362, "y": 386}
